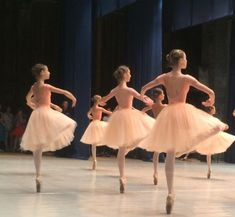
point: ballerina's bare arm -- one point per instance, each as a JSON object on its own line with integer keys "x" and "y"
{"x": 143, "y": 98}
{"x": 195, "y": 83}
{"x": 89, "y": 115}
{"x": 106, "y": 111}
{"x": 29, "y": 101}
{"x": 107, "y": 97}
{"x": 146, "y": 109}
{"x": 157, "y": 81}
{"x": 56, "y": 107}
{"x": 64, "y": 92}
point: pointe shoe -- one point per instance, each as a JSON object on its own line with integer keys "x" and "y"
{"x": 94, "y": 165}
{"x": 155, "y": 179}
{"x": 209, "y": 174}
{"x": 169, "y": 203}
{"x": 122, "y": 185}
{"x": 38, "y": 184}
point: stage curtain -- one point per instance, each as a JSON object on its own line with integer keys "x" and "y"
{"x": 108, "y": 6}
{"x": 187, "y": 13}
{"x": 76, "y": 41}
{"x": 144, "y": 41}
{"x": 230, "y": 153}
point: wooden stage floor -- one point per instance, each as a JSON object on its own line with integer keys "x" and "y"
{"x": 71, "y": 189}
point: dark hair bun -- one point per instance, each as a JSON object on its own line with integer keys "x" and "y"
{"x": 37, "y": 69}
{"x": 174, "y": 56}
{"x": 120, "y": 71}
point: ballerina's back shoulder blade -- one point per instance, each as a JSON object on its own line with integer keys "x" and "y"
{"x": 41, "y": 94}
{"x": 124, "y": 96}
{"x": 177, "y": 87}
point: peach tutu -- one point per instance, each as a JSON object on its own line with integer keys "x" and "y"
{"x": 217, "y": 144}
{"x": 181, "y": 127}
{"x": 48, "y": 130}
{"x": 126, "y": 127}
{"x": 94, "y": 133}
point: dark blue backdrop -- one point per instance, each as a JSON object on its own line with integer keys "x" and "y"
{"x": 76, "y": 62}
{"x": 143, "y": 52}
{"x": 186, "y": 13}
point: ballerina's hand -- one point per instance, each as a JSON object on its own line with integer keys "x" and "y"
{"x": 102, "y": 103}
{"x": 59, "y": 109}
{"x": 31, "y": 105}
{"x": 234, "y": 113}
{"x": 147, "y": 101}
{"x": 74, "y": 101}
{"x": 142, "y": 93}
{"x": 208, "y": 102}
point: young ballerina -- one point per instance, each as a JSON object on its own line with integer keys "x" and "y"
{"x": 95, "y": 131}
{"x": 47, "y": 129}
{"x": 219, "y": 144}
{"x": 180, "y": 127}
{"x": 126, "y": 125}
{"x": 156, "y": 108}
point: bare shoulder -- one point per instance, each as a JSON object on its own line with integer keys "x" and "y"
{"x": 190, "y": 78}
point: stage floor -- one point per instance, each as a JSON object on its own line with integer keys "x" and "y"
{"x": 71, "y": 189}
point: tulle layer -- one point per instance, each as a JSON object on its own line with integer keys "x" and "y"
{"x": 126, "y": 127}
{"x": 48, "y": 130}
{"x": 181, "y": 127}
{"x": 94, "y": 133}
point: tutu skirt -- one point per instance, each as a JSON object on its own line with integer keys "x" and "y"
{"x": 217, "y": 144}
{"x": 94, "y": 133}
{"x": 48, "y": 130}
{"x": 181, "y": 127}
{"x": 126, "y": 127}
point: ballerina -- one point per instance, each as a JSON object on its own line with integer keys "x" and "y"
{"x": 219, "y": 144}
{"x": 156, "y": 108}
{"x": 180, "y": 127}
{"x": 126, "y": 126}
{"x": 47, "y": 129}
{"x": 95, "y": 131}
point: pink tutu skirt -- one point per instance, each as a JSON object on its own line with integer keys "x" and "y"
{"x": 181, "y": 127}
{"x": 94, "y": 133}
{"x": 48, "y": 130}
{"x": 217, "y": 144}
{"x": 126, "y": 127}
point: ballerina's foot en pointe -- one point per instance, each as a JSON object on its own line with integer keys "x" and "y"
{"x": 170, "y": 203}
{"x": 209, "y": 174}
{"x": 122, "y": 182}
{"x": 155, "y": 179}
{"x": 94, "y": 165}
{"x": 38, "y": 184}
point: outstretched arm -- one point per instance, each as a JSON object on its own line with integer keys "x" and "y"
{"x": 157, "y": 81}
{"x": 106, "y": 98}
{"x": 64, "y": 92}
{"x": 146, "y": 109}
{"x": 106, "y": 111}
{"x": 195, "y": 83}
{"x": 145, "y": 99}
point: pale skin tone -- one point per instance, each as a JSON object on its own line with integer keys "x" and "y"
{"x": 34, "y": 99}
{"x": 177, "y": 86}
{"x": 124, "y": 96}
{"x": 95, "y": 113}
{"x": 156, "y": 108}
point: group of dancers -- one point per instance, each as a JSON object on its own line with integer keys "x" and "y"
{"x": 177, "y": 128}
